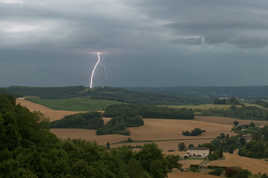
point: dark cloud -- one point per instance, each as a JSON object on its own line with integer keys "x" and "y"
{"x": 218, "y": 21}
{"x": 152, "y": 42}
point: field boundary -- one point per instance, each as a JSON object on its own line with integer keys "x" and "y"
{"x": 161, "y": 140}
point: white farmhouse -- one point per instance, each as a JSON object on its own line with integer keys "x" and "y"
{"x": 197, "y": 152}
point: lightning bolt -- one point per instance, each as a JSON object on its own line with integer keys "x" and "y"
{"x": 94, "y": 69}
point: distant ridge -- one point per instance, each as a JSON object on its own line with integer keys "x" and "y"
{"x": 210, "y": 91}
{"x": 142, "y": 95}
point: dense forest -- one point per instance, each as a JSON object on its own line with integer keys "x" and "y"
{"x": 90, "y": 120}
{"x": 94, "y": 120}
{"x": 29, "y": 150}
{"x": 240, "y": 112}
{"x": 45, "y": 92}
{"x": 149, "y": 111}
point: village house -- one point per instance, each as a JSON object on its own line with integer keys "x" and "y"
{"x": 197, "y": 152}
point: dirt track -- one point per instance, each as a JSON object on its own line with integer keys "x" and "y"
{"x": 178, "y": 174}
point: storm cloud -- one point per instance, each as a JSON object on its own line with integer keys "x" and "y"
{"x": 147, "y": 43}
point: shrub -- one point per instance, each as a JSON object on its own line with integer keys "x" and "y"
{"x": 237, "y": 172}
{"x": 217, "y": 171}
{"x": 173, "y": 162}
{"x": 181, "y": 146}
{"x": 194, "y": 168}
{"x": 194, "y": 132}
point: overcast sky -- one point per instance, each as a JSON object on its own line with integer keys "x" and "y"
{"x": 145, "y": 42}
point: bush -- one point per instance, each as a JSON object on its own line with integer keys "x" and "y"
{"x": 237, "y": 172}
{"x": 173, "y": 162}
{"x": 215, "y": 155}
{"x": 194, "y": 168}
{"x": 181, "y": 147}
{"x": 194, "y": 132}
{"x": 130, "y": 140}
{"x": 217, "y": 171}
{"x": 191, "y": 146}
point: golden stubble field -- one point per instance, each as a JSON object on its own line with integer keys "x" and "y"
{"x": 51, "y": 114}
{"x": 234, "y": 160}
{"x": 166, "y": 133}
{"x": 227, "y": 121}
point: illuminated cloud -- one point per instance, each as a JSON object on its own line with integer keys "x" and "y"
{"x": 18, "y": 28}
{"x": 12, "y": 1}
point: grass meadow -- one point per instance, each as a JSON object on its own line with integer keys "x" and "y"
{"x": 74, "y": 104}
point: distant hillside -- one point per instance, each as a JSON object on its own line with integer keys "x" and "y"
{"x": 244, "y": 92}
{"x": 46, "y": 92}
{"x": 106, "y": 93}
{"x": 143, "y": 97}
{"x": 156, "y": 96}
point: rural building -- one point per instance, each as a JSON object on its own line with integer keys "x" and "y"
{"x": 197, "y": 152}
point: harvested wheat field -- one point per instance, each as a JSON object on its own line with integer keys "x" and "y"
{"x": 234, "y": 160}
{"x": 166, "y": 133}
{"x": 106, "y": 120}
{"x": 227, "y": 120}
{"x": 51, "y": 114}
{"x": 155, "y": 129}
{"x": 89, "y": 135}
{"x": 178, "y": 174}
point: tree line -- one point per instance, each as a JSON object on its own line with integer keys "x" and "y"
{"x": 241, "y": 112}
{"x": 90, "y": 120}
{"x": 94, "y": 120}
{"x": 149, "y": 111}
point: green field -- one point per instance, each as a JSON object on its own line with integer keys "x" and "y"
{"x": 209, "y": 106}
{"x": 200, "y": 107}
{"x": 74, "y": 104}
